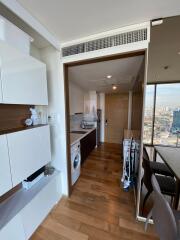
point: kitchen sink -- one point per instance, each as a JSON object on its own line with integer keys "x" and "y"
{"x": 79, "y": 132}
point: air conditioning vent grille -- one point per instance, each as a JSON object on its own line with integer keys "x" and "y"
{"x": 106, "y": 42}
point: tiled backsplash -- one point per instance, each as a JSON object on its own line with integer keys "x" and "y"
{"x": 75, "y": 121}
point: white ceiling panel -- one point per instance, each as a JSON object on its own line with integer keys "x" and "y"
{"x": 69, "y": 20}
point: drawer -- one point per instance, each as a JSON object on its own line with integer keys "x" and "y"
{"x": 35, "y": 212}
{"x": 13, "y": 230}
{"x": 29, "y": 150}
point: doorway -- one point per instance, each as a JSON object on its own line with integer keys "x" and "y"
{"x": 121, "y": 103}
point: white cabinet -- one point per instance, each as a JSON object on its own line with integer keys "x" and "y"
{"x": 35, "y": 212}
{"x": 29, "y": 150}
{"x": 25, "y": 211}
{"x": 76, "y": 98}
{"x": 13, "y": 230}
{"x": 24, "y": 82}
{"x": 23, "y": 78}
{"x": 5, "y": 173}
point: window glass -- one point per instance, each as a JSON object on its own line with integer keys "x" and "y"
{"x": 148, "y": 114}
{"x": 167, "y": 114}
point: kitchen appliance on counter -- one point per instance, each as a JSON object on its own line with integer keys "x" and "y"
{"x": 90, "y": 121}
{"x": 87, "y": 125}
{"x": 75, "y": 162}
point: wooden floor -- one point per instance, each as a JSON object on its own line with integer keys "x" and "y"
{"x": 98, "y": 208}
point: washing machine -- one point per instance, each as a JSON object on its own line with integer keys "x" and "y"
{"x": 75, "y": 162}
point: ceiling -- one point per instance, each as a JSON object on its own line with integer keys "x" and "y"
{"x": 163, "y": 52}
{"x": 68, "y": 20}
{"x": 93, "y": 76}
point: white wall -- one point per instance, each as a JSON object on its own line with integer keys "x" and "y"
{"x": 35, "y": 52}
{"x": 76, "y": 98}
{"x": 56, "y": 110}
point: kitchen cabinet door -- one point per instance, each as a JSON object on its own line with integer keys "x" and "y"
{"x": 29, "y": 150}
{"x": 5, "y": 173}
{"x": 88, "y": 143}
{"x": 23, "y": 78}
{"x": 34, "y": 213}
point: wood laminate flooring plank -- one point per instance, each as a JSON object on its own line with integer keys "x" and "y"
{"x": 98, "y": 208}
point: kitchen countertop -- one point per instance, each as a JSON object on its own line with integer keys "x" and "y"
{"x": 75, "y": 137}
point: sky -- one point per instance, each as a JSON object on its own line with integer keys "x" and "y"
{"x": 168, "y": 95}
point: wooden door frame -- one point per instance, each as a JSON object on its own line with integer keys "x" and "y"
{"x": 66, "y": 92}
{"x": 140, "y": 218}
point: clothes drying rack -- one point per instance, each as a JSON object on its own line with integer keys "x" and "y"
{"x": 130, "y": 163}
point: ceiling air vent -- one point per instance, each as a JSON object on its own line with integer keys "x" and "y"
{"x": 106, "y": 42}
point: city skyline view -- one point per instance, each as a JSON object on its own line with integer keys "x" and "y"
{"x": 167, "y": 95}
{"x": 167, "y": 115}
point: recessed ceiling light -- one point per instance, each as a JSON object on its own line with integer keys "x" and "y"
{"x": 179, "y": 53}
{"x": 109, "y": 76}
{"x": 114, "y": 87}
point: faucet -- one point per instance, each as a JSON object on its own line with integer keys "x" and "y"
{"x": 82, "y": 125}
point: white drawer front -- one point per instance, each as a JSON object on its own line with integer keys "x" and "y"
{"x": 5, "y": 174}
{"x": 13, "y": 230}
{"x": 29, "y": 150}
{"x": 35, "y": 212}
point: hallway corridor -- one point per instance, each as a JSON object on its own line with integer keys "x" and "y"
{"x": 98, "y": 208}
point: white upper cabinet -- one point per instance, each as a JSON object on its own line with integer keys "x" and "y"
{"x": 29, "y": 150}
{"x": 5, "y": 173}
{"x": 76, "y": 98}
{"x": 23, "y": 78}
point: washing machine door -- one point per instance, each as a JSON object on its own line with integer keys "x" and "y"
{"x": 76, "y": 161}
